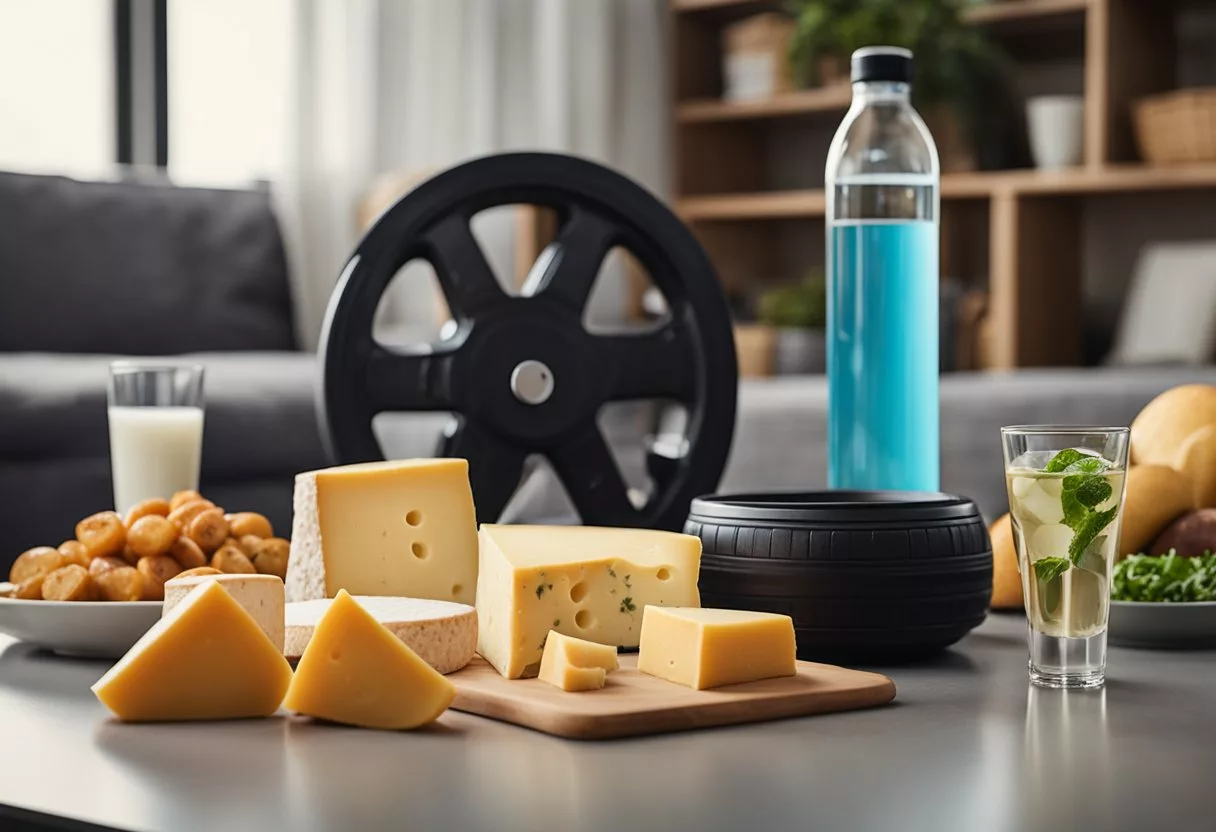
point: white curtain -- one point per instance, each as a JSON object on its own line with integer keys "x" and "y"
{"x": 408, "y": 87}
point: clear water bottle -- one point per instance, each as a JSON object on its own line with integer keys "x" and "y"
{"x": 882, "y": 184}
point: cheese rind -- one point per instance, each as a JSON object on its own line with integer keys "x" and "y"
{"x": 259, "y": 595}
{"x": 574, "y": 664}
{"x": 404, "y": 528}
{"x": 708, "y": 648}
{"x": 206, "y": 659}
{"x": 586, "y": 582}
{"x": 356, "y": 672}
{"x": 442, "y": 633}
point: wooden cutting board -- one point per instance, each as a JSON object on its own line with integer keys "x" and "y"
{"x": 633, "y": 703}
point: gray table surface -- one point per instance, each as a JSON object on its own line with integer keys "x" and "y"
{"x": 967, "y": 746}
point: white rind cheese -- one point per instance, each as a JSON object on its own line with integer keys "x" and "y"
{"x": 442, "y": 633}
{"x": 403, "y": 528}
{"x": 589, "y": 583}
{"x": 260, "y": 595}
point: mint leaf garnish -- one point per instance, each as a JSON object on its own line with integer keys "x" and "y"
{"x": 1089, "y": 528}
{"x": 1046, "y": 569}
{"x": 1082, "y": 491}
{"x": 1087, "y": 465}
{"x": 1091, "y": 491}
{"x": 1063, "y": 459}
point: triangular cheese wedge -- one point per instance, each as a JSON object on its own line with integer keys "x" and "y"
{"x": 575, "y": 664}
{"x": 356, "y": 672}
{"x": 206, "y": 659}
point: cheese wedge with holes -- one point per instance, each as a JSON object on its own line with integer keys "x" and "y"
{"x": 403, "y": 528}
{"x": 206, "y": 659}
{"x": 590, "y": 583}
{"x": 356, "y": 672}
{"x": 260, "y": 595}
{"x": 442, "y": 633}
{"x": 704, "y": 648}
{"x": 575, "y": 664}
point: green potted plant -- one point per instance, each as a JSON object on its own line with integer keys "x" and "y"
{"x": 961, "y": 75}
{"x": 798, "y": 314}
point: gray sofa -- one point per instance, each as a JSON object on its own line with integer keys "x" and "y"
{"x": 71, "y": 297}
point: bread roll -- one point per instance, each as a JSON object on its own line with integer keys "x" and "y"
{"x": 1197, "y": 459}
{"x": 1156, "y": 496}
{"x": 1006, "y": 580}
{"x": 1167, "y": 421}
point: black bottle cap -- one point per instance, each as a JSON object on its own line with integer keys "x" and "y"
{"x": 882, "y": 63}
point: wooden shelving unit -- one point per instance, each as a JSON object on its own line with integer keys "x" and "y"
{"x": 1018, "y": 230}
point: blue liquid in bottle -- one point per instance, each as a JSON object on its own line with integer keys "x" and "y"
{"x": 882, "y": 176}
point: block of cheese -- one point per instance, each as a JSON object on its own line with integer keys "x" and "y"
{"x": 206, "y": 659}
{"x": 356, "y": 672}
{"x": 442, "y": 633}
{"x": 576, "y": 664}
{"x": 581, "y": 581}
{"x": 704, "y": 648}
{"x": 260, "y": 595}
{"x": 404, "y": 528}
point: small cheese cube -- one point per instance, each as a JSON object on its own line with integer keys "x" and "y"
{"x": 356, "y": 672}
{"x": 404, "y": 528}
{"x": 581, "y": 581}
{"x": 260, "y": 595}
{"x": 576, "y": 664}
{"x": 206, "y": 659}
{"x": 704, "y": 648}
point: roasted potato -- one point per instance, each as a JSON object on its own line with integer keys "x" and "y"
{"x": 249, "y": 543}
{"x": 156, "y": 570}
{"x": 39, "y": 561}
{"x": 183, "y": 514}
{"x": 187, "y": 554}
{"x": 208, "y": 529}
{"x": 270, "y": 556}
{"x": 69, "y": 583}
{"x": 151, "y": 535}
{"x": 155, "y": 506}
{"x": 102, "y": 533}
{"x": 121, "y": 583}
{"x": 31, "y": 588}
{"x": 180, "y": 498}
{"x": 231, "y": 559}
{"x": 249, "y": 522}
{"x": 74, "y": 551}
{"x": 99, "y": 565}
{"x": 196, "y": 572}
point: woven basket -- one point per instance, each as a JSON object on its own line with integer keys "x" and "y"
{"x": 1177, "y": 126}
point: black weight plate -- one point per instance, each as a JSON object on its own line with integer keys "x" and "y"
{"x": 689, "y": 358}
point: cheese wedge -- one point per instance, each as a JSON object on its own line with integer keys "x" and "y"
{"x": 206, "y": 659}
{"x": 575, "y": 664}
{"x": 403, "y": 528}
{"x": 704, "y": 648}
{"x": 356, "y": 672}
{"x": 260, "y": 595}
{"x": 581, "y": 581}
{"x": 442, "y": 633}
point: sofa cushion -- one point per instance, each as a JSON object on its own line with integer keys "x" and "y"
{"x": 140, "y": 269}
{"x": 781, "y": 431}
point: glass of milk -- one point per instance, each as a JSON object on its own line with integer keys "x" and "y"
{"x": 156, "y": 429}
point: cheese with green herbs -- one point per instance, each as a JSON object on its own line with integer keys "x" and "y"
{"x": 590, "y": 583}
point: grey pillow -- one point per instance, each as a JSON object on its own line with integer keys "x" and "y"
{"x": 139, "y": 269}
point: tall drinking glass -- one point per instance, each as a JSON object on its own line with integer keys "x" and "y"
{"x": 156, "y": 429}
{"x": 1066, "y": 506}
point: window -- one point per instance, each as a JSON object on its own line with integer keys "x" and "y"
{"x": 57, "y": 87}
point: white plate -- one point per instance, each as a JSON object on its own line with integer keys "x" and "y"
{"x": 92, "y": 629}
{"x": 1144, "y": 624}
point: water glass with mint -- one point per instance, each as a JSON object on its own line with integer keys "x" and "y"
{"x": 1066, "y": 505}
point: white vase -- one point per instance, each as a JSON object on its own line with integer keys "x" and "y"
{"x": 1057, "y": 130}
